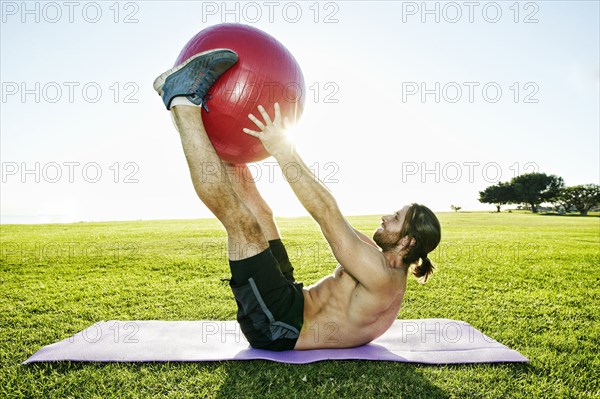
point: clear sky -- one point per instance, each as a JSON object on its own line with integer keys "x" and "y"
{"x": 85, "y": 137}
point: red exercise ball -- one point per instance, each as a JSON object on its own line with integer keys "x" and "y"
{"x": 266, "y": 73}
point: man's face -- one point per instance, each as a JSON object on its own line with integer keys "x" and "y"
{"x": 387, "y": 236}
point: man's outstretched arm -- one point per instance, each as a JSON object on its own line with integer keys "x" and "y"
{"x": 358, "y": 259}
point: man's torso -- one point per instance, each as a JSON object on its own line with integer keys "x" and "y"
{"x": 340, "y": 313}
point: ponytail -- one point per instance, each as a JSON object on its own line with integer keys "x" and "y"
{"x": 421, "y": 224}
{"x": 423, "y": 269}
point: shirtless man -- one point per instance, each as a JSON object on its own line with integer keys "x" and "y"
{"x": 352, "y": 306}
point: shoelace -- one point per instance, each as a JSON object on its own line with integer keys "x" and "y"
{"x": 208, "y": 80}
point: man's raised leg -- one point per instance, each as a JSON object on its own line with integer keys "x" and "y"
{"x": 244, "y": 185}
{"x": 213, "y": 186}
{"x": 189, "y": 83}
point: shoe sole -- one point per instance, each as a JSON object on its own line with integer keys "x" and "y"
{"x": 160, "y": 81}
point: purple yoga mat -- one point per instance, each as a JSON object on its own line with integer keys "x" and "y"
{"x": 431, "y": 341}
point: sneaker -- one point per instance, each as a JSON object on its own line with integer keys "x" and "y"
{"x": 195, "y": 76}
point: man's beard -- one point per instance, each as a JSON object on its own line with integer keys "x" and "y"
{"x": 386, "y": 240}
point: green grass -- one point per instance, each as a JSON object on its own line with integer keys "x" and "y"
{"x": 529, "y": 281}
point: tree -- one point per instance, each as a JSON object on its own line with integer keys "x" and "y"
{"x": 500, "y": 194}
{"x": 564, "y": 200}
{"x": 455, "y": 208}
{"x": 583, "y": 197}
{"x": 536, "y": 188}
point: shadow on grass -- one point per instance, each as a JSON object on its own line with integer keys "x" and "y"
{"x": 236, "y": 379}
{"x": 259, "y": 378}
{"x": 326, "y": 379}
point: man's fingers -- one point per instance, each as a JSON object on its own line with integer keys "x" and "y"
{"x": 286, "y": 123}
{"x": 277, "y": 113}
{"x": 251, "y": 132}
{"x": 256, "y": 121}
{"x": 264, "y": 114}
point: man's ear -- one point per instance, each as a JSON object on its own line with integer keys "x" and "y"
{"x": 408, "y": 242}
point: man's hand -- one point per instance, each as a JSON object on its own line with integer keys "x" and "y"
{"x": 272, "y": 132}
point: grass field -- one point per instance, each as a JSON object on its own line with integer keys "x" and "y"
{"x": 532, "y": 282}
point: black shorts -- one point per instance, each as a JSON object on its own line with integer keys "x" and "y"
{"x": 270, "y": 305}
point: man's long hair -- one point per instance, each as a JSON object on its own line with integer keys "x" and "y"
{"x": 421, "y": 224}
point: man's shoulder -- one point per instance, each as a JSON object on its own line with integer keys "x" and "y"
{"x": 381, "y": 276}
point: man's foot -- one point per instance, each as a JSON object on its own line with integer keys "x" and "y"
{"x": 195, "y": 76}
